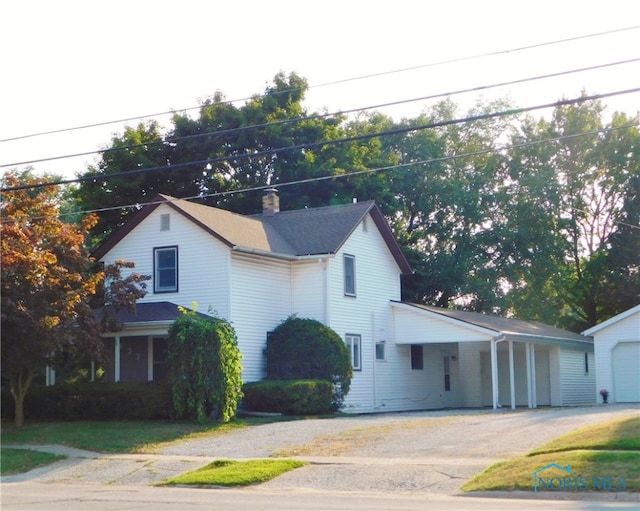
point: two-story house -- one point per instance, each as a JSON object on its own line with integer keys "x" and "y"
{"x": 340, "y": 265}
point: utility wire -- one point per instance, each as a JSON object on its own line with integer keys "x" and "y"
{"x": 311, "y": 145}
{"x": 345, "y": 80}
{"x": 407, "y": 165}
{"x": 323, "y": 115}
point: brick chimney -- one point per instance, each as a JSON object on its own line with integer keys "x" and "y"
{"x": 270, "y": 202}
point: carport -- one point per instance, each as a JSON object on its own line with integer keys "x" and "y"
{"x": 503, "y": 361}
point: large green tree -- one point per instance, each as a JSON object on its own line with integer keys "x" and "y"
{"x": 570, "y": 193}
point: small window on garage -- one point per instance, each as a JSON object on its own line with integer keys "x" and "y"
{"x": 379, "y": 351}
{"x": 417, "y": 360}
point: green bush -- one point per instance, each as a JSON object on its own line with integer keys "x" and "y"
{"x": 94, "y": 401}
{"x": 290, "y": 397}
{"x": 305, "y": 349}
{"x": 204, "y": 368}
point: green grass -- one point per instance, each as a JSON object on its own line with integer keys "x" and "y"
{"x": 607, "y": 449}
{"x": 18, "y": 461}
{"x": 613, "y": 435}
{"x": 236, "y": 473}
{"x": 132, "y": 437}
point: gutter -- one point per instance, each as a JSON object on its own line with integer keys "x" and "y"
{"x": 274, "y": 255}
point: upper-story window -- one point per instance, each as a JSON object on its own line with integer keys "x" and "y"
{"x": 165, "y": 269}
{"x": 349, "y": 275}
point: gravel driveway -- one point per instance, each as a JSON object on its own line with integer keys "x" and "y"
{"x": 434, "y": 451}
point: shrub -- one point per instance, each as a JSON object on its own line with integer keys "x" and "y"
{"x": 94, "y": 401}
{"x": 290, "y": 397}
{"x": 305, "y": 349}
{"x": 204, "y": 368}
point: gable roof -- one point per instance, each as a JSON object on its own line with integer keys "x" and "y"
{"x": 507, "y": 327}
{"x": 611, "y": 321}
{"x": 291, "y": 234}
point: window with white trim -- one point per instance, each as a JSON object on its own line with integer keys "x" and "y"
{"x": 380, "y": 350}
{"x": 165, "y": 269}
{"x": 417, "y": 357}
{"x": 354, "y": 343}
{"x": 349, "y": 263}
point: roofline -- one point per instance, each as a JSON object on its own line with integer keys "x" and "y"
{"x": 610, "y": 321}
{"x": 549, "y": 340}
{"x": 276, "y": 255}
{"x": 446, "y": 319}
{"x": 389, "y": 238}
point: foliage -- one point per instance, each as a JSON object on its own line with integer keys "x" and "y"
{"x": 236, "y": 473}
{"x": 290, "y": 397}
{"x": 19, "y": 461}
{"x": 49, "y": 285}
{"x": 95, "y": 401}
{"x": 301, "y": 348}
{"x": 204, "y": 367}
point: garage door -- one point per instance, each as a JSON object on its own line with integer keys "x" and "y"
{"x": 626, "y": 372}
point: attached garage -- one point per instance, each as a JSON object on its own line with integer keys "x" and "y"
{"x": 617, "y": 354}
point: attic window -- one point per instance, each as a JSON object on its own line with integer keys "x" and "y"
{"x": 165, "y": 222}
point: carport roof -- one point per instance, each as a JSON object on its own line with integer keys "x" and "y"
{"x": 507, "y": 327}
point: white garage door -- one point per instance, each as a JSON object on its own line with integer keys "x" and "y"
{"x": 626, "y": 372}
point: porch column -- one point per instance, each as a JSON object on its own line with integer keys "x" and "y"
{"x": 50, "y": 376}
{"x": 534, "y": 396}
{"x": 512, "y": 380}
{"x": 116, "y": 370}
{"x": 494, "y": 373}
{"x": 527, "y": 352}
{"x": 150, "y": 358}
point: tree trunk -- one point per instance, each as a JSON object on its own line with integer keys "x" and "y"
{"x": 20, "y": 384}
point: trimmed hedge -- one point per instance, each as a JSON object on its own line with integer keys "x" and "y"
{"x": 290, "y": 397}
{"x": 93, "y": 401}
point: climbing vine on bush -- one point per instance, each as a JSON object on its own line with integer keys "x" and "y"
{"x": 204, "y": 367}
{"x": 306, "y": 349}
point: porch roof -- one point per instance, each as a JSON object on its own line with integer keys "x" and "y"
{"x": 156, "y": 312}
{"x": 507, "y": 328}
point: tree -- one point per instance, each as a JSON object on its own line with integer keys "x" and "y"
{"x": 204, "y": 367}
{"x": 569, "y": 200}
{"x": 302, "y": 348}
{"x": 48, "y": 283}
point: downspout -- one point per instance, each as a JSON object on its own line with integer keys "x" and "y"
{"x": 373, "y": 338}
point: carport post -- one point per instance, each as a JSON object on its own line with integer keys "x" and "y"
{"x": 534, "y": 395}
{"x": 494, "y": 372}
{"x": 527, "y": 352}
{"x": 512, "y": 381}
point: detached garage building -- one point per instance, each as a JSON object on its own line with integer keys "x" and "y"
{"x": 617, "y": 353}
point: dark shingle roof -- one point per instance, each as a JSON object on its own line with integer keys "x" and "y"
{"x": 505, "y": 326}
{"x": 302, "y": 232}
{"x": 148, "y": 312}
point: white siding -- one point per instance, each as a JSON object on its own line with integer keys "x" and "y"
{"x": 471, "y": 377}
{"x": 605, "y": 340}
{"x": 203, "y": 270}
{"x": 577, "y": 386}
{"x": 368, "y": 314}
{"x": 309, "y": 289}
{"x": 416, "y": 327}
{"x": 260, "y": 300}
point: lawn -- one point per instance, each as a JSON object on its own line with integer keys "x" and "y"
{"x": 607, "y": 451}
{"x": 18, "y": 461}
{"x": 235, "y": 473}
{"x": 130, "y": 437}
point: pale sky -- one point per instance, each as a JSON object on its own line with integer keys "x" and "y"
{"x": 69, "y": 63}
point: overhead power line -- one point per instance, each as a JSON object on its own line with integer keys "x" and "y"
{"x": 311, "y": 145}
{"x": 336, "y": 82}
{"x": 324, "y": 115}
{"x": 407, "y": 165}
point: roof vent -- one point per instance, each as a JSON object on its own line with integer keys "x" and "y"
{"x": 270, "y": 202}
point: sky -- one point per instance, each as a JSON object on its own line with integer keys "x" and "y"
{"x": 72, "y": 63}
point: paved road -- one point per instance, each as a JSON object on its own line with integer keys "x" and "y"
{"x": 411, "y": 454}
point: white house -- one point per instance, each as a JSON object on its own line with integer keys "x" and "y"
{"x": 617, "y": 351}
{"x": 340, "y": 265}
